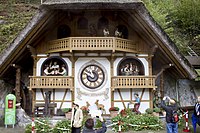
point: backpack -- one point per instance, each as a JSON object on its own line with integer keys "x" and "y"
{"x": 175, "y": 117}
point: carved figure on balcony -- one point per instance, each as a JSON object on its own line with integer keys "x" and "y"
{"x": 47, "y": 70}
{"x": 106, "y": 32}
{"x": 132, "y": 67}
{"x": 55, "y": 68}
{"x": 136, "y": 71}
{"x": 127, "y": 70}
{"x": 117, "y": 33}
{"x": 92, "y": 30}
{"x": 63, "y": 71}
{"x": 137, "y": 103}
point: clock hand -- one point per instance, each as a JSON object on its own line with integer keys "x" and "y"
{"x": 92, "y": 74}
{"x": 88, "y": 74}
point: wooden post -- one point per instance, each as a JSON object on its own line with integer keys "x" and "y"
{"x": 17, "y": 85}
{"x": 111, "y": 75}
{"x": 73, "y": 71}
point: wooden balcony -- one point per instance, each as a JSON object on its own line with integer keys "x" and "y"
{"x": 91, "y": 43}
{"x": 54, "y": 82}
{"x": 120, "y": 82}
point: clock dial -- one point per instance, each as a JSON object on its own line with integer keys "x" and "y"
{"x": 92, "y": 76}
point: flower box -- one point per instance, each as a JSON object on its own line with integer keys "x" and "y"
{"x": 113, "y": 111}
{"x": 113, "y": 114}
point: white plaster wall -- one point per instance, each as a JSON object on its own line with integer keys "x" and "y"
{"x": 83, "y": 94}
{"x": 58, "y": 93}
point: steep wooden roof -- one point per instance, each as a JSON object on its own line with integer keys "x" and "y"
{"x": 135, "y": 8}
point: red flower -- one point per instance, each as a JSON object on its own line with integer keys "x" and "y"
{"x": 114, "y": 109}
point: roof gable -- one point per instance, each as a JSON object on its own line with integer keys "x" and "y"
{"x": 142, "y": 18}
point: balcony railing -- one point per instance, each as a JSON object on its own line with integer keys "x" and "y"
{"x": 133, "y": 82}
{"x": 47, "y": 82}
{"x": 118, "y": 82}
{"x": 91, "y": 43}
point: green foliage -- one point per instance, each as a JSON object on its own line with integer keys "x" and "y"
{"x": 28, "y": 128}
{"x": 66, "y": 110}
{"x": 98, "y": 124}
{"x": 137, "y": 122}
{"x": 64, "y": 124}
{"x": 157, "y": 110}
{"x": 41, "y": 125}
{"x": 149, "y": 110}
{"x": 12, "y": 22}
{"x": 180, "y": 20}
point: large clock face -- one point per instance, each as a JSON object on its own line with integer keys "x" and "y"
{"x": 92, "y": 76}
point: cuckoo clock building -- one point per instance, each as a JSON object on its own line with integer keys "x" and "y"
{"x": 88, "y": 51}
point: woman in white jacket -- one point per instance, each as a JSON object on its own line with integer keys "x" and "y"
{"x": 76, "y": 119}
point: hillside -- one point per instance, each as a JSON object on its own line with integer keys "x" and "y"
{"x": 13, "y": 18}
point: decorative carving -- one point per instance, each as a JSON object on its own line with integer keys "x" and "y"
{"x": 80, "y": 93}
{"x": 92, "y": 30}
{"x": 54, "y": 67}
{"x": 130, "y": 67}
{"x": 106, "y": 32}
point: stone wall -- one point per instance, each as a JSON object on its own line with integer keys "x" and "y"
{"x": 183, "y": 90}
{"x": 170, "y": 86}
{"x": 5, "y": 88}
{"x": 188, "y": 92}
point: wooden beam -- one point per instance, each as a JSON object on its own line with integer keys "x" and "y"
{"x": 120, "y": 95}
{"x": 63, "y": 98}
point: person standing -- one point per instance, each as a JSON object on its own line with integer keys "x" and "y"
{"x": 196, "y": 115}
{"x": 172, "y": 127}
{"x": 77, "y": 118}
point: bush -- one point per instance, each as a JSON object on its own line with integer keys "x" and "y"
{"x": 157, "y": 110}
{"x": 137, "y": 122}
{"x": 40, "y": 128}
{"x": 64, "y": 124}
{"x": 149, "y": 110}
{"x": 66, "y": 110}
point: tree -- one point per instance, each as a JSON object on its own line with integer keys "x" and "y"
{"x": 180, "y": 19}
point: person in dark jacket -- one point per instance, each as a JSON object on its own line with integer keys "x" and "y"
{"x": 196, "y": 115}
{"x": 172, "y": 127}
{"x": 89, "y": 126}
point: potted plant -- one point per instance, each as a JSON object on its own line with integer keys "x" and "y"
{"x": 149, "y": 110}
{"x": 156, "y": 111}
{"x": 123, "y": 112}
{"x": 85, "y": 110}
{"x": 68, "y": 112}
{"x": 113, "y": 111}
